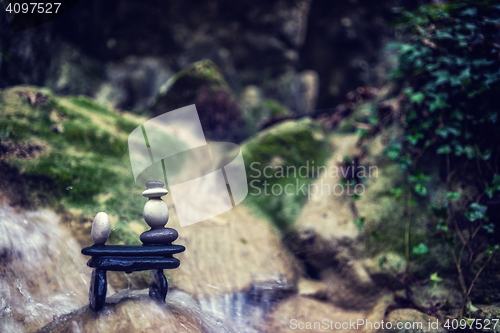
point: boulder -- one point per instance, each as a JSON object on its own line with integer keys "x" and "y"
{"x": 229, "y": 253}
{"x": 202, "y": 84}
{"x": 280, "y": 162}
{"x": 136, "y": 312}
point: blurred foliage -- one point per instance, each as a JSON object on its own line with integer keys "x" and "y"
{"x": 449, "y": 71}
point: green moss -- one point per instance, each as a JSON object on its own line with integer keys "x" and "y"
{"x": 84, "y": 165}
{"x": 286, "y": 147}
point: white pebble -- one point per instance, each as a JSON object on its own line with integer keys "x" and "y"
{"x": 100, "y": 228}
{"x": 156, "y": 213}
{"x": 155, "y": 192}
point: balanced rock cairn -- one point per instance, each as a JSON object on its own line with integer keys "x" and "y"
{"x": 155, "y": 254}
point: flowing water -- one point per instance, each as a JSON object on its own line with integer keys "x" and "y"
{"x": 44, "y": 282}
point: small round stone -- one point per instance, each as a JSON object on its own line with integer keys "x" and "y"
{"x": 155, "y": 192}
{"x": 100, "y": 228}
{"x": 154, "y": 184}
{"x": 159, "y": 236}
{"x": 156, "y": 213}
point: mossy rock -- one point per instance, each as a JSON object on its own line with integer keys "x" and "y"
{"x": 202, "y": 83}
{"x": 274, "y": 159}
{"x": 69, "y": 153}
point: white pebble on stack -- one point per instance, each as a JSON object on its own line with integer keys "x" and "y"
{"x": 100, "y": 228}
{"x": 155, "y": 210}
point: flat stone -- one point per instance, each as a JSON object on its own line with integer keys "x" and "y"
{"x": 159, "y": 236}
{"x": 100, "y": 228}
{"x": 154, "y": 184}
{"x": 155, "y": 192}
{"x": 132, "y": 250}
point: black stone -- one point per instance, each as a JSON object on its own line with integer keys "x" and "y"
{"x": 158, "y": 286}
{"x": 154, "y": 184}
{"x": 159, "y": 236}
{"x": 98, "y": 288}
{"x": 132, "y": 264}
{"x": 132, "y": 251}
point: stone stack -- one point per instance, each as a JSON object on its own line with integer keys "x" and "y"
{"x": 155, "y": 254}
{"x": 156, "y": 216}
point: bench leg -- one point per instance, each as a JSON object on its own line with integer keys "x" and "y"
{"x": 158, "y": 286}
{"x": 98, "y": 288}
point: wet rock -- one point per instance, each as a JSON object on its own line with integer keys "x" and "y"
{"x": 132, "y": 83}
{"x": 159, "y": 236}
{"x": 71, "y": 72}
{"x": 257, "y": 109}
{"x": 413, "y": 321}
{"x": 281, "y": 151}
{"x": 302, "y": 314}
{"x": 43, "y": 274}
{"x": 203, "y": 84}
{"x": 243, "y": 249}
{"x": 298, "y": 91}
{"x": 136, "y": 312}
{"x": 487, "y": 286}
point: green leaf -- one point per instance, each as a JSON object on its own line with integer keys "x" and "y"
{"x": 477, "y": 212}
{"x": 435, "y": 279}
{"x": 419, "y": 177}
{"x": 471, "y": 308}
{"x": 411, "y": 202}
{"x": 490, "y": 228}
{"x": 442, "y": 226}
{"x": 420, "y": 189}
{"x": 382, "y": 261}
{"x": 413, "y": 139}
{"x": 359, "y": 222}
{"x": 492, "y": 248}
{"x": 453, "y": 195}
{"x": 420, "y": 249}
{"x": 396, "y": 192}
{"x": 446, "y": 149}
{"x": 417, "y": 98}
{"x": 495, "y": 186}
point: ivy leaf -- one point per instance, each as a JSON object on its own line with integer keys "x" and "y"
{"x": 442, "y": 226}
{"x": 446, "y": 149}
{"x": 453, "y": 195}
{"x": 477, "y": 212}
{"x": 419, "y": 177}
{"x": 417, "y": 98}
{"x": 490, "y": 228}
{"x": 471, "y": 308}
{"x": 359, "y": 222}
{"x": 495, "y": 186}
{"x": 396, "y": 192}
{"x": 420, "y": 249}
{"x": 435, "y": 279}
{"x": 413, "y": 139}
{"x": 492, "y": 248}
{"x": 420, "y": 189}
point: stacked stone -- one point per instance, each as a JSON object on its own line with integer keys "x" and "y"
{"x": 155, "y": 254}
{"x": 156, "y": 216}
